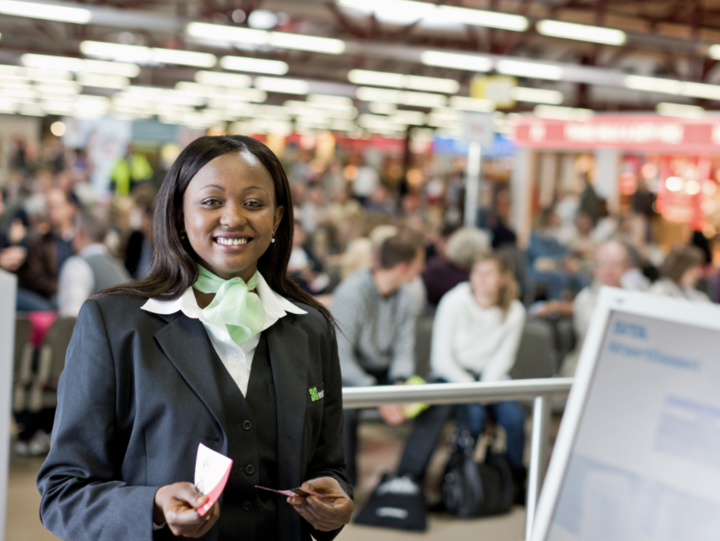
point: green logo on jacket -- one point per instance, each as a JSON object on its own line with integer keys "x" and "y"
{"x": 314, "y": 395}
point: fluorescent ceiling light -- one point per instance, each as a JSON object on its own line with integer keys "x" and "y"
{"x": 286, "y": 86}
{"x": 254, "y": 65}
{"x": 700, "y": 90}
{"x": 103, "y": 81}
{"x": 323, "y": 100}
{"x": 714, "y": 52}
{"x": 147, "y": 55}
{"x": 223, "y": 79}
{"x": 58, "y": 89}
{"x": 523, "y": 68}
{"x": 408, "y": 12}
{"x": 79, "y": 65}
{"x": 679, "y": 110}
{"x": 537, "y": 95}
{"x": 472, "y": 104}
{"x": 381, "y": 108}
{"x": 219, "y": 32}
{"x": 653, "y": 84}
{"x": 457, "y": 61}
{"x": 563, "y": 113}
{"x": 45, "y": 75}
{"x": 49, "y": 12}
{"x": 307, "y": 43}
{"x": 417, "y": 99}
{"x": 581, "y": 32}
{"x": 379, "y": 122}
{"x": 479, "y": 17}
{"x": 408, "y": 117}
{"x": 224, "y": 93}
{"x": 671, "y": 86}
{"x": 397, "y": 80}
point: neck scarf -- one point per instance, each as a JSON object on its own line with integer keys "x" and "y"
{"x": 235, "y": 306}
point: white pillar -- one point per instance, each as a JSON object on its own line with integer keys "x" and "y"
{"x": 521, "y": 195}
{"x": 8, "y": 288}
{"x": 607, "y": 176}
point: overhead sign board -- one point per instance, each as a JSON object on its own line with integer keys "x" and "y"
{"x": 651, "y": 133}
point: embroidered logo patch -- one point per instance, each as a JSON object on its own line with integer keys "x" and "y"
{"x": 316, "y": 395}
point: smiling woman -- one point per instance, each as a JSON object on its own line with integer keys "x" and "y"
{"x": 216, "y": 347}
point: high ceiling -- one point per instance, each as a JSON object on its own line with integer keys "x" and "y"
{"x": 669, "y": 39}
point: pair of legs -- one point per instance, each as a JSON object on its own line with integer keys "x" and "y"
{"x": 429, "y": 426}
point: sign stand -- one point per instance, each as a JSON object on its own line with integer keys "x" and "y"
{"x": 477, "y": 129}
{"x": 8, "y": 289}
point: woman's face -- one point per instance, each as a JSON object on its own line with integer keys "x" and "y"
{"x": 486, "y": 279}
{"x": 230, "y": 214}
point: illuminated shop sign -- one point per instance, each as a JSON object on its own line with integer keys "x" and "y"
{"x": 649, "y": 133}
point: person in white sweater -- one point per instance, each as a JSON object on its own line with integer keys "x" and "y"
{"x": 476, "y": 334}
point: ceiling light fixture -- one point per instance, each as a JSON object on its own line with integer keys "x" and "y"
{"x": 286, "y": 86}
{"x": 537, "y": 95}
{"x": 79, "y": 65}
{"x": 414, "y": 82}
{"x": 673, "y": 87}
{"x": 409, "y": 11}
{"x": 457, "y": 61}
{"x": 223, "y": 79}
{"x": 417, "y": 99}
{"x": 219, "y": 32}
{"x": 581, "y": 32}
{"x": 524, "y": 68}
{"x": 472, "y": 104}
{"x": 147, "y": 55}
{"x": 679, "y": 110}
{"x": 254, "y": 65}
{"x": 103, "y": 81}
{"x": 48, "y": 12}
{"x": 563, "y": 113}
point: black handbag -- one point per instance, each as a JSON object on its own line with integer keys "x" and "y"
{"x": 472, "y": 489}
{"x": 397, "y": 502}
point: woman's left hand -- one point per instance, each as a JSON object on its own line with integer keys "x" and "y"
{"x": 328, "y": 512}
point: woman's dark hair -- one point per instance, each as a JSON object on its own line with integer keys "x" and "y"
{"x": 174, "y": 266}
{"x": 679, "y": 260}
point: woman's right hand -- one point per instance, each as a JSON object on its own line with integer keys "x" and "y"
{"x": 177, "y": 505}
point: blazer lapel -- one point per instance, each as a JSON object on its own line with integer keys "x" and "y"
{"x": 188, "y": 347}
{"x": 288, "y": 349}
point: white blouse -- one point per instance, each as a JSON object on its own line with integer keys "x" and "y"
{"x": 237, "y": 359}
{"x": 470, "y": 341}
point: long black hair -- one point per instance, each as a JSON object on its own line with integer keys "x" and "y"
{"x": 174, "y": 263}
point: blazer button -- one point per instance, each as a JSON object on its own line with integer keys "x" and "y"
{"x": 247, "y": 425}
{"x": 247, "y": 506}
{"x": 249, "y": 469}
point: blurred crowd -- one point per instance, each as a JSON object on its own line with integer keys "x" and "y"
{"x": 380, "y": 256}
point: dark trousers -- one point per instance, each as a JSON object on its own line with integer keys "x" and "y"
{"x": 429, "y": 425}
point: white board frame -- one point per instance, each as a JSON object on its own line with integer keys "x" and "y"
{"x": 609, "y": 300}
{"x": 8, "y": 292}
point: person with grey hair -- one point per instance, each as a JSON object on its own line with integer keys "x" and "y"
{"x": 616, "y": 264}
{"x": 443, "y": 273}
{"x": 92, "y": 269}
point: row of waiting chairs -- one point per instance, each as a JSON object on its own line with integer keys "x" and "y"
{"x": 36, "y": 371}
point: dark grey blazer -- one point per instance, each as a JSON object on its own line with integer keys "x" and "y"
{"x": 136, "y": 398}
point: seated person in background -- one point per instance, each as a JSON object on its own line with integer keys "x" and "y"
{"x": 476, "y": 334}
{"x": 679, "y": 275}
{"x": 462, "y": 248}
{"x": 304, "y": 268}
{"x": 375, "y": 312}
{"x": 616, "y": 265}
{"x": 92, "y": 269}
{"x": 138, "y": 254}
{"x": 47, "y": 253}
{"x": 551, "y": 264}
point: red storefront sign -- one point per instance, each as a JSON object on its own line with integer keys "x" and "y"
{"x": 650, "y": 133}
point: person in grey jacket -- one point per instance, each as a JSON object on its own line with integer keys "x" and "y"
{"x": 376, "y": 315}
{"x": 216, "y": 346}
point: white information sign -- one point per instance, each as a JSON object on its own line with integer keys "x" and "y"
{"x": 478, "y": 128}
{"x": 638, "y": 453}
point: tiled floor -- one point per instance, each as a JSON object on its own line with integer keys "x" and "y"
{"x": 379, "y": 452}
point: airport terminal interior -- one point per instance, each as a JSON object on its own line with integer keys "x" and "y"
{"x": 508, "y": 211}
